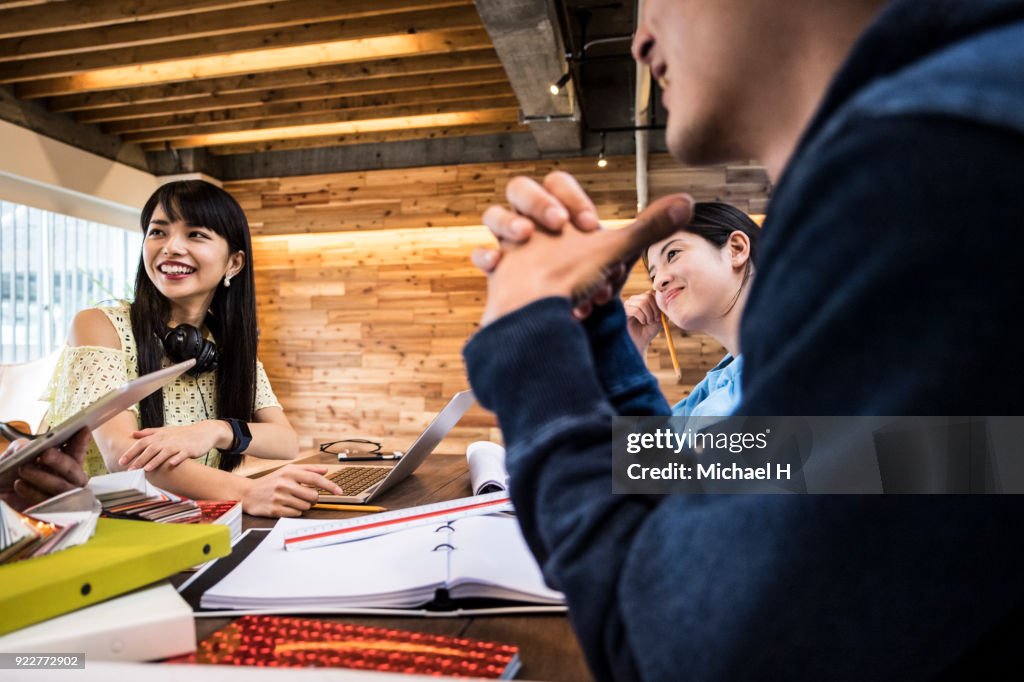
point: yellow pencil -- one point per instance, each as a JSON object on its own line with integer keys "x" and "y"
{"x": 671, "y": 347}
{"x": 350, "y": 507}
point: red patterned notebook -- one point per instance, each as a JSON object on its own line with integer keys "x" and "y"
{"x": 305, "y": 642}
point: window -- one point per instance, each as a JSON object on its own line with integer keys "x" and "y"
{"x": 51, "y": 267}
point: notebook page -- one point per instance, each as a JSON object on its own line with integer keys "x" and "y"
{"x": 397, "y": 570}
{"x": 491, "y": 559}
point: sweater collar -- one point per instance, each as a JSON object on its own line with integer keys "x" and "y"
{"x": 905, "y": 32}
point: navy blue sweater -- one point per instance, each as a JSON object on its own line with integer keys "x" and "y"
{"x": 887, "y": 285}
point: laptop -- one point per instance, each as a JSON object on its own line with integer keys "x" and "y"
{"x": 362, "y": 483}
{"x": 113, "y": 403}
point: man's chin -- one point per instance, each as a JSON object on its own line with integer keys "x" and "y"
{"x": 697, "y": 145}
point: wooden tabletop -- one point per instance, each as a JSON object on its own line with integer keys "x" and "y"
{"x": 547, "y": 645}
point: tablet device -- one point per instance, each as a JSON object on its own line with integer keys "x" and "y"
{"x": 115, "y": 402}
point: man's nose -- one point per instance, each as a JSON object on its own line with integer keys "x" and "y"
{"x": 643, "y": 43}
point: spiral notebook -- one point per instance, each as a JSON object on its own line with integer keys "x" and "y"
{"x": 477, "y": 564}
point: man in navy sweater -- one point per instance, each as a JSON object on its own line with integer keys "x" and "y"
{"x": 887, "y": 285}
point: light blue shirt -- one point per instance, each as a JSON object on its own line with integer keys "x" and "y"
{"x": 717, "y": 395}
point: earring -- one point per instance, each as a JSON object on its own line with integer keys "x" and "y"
{"x": 227, "y": 280}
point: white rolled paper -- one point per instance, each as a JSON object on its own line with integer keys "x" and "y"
{"x": 487, "y": 473}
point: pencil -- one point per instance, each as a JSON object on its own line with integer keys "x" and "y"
{"x": 671, "y": 347}
{"x": 349, "y": 507}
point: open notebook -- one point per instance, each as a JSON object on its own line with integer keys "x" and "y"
{"x": 431, "y": 567}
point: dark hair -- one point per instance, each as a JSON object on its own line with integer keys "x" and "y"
{"x": 232, "y": 315}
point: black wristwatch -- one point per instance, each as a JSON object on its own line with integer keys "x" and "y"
{"x": 242, "y": 436}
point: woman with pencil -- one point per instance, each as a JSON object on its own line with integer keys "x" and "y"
{"x": 700, "y": 277}
{"x": 194, "y": 298}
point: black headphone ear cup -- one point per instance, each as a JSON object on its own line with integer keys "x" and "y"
{"x": 177, "y": 343}
{"x": 206, "y": 360}
{"x": 185, "y": 342}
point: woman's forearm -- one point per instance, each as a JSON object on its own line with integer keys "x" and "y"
{"x": 200, "y": 482}
{"x": 273, "y": 441}
{"x": 269, "y": 440}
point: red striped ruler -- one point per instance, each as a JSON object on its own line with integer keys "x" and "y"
{"x": 347, "y": 530}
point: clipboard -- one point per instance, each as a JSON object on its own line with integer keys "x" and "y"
{"x": 113, "y": 403}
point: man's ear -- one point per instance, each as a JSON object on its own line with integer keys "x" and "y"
{"x": 739, "y": 249}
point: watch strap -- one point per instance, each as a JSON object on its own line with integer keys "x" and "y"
{"x": 242, "y": 436}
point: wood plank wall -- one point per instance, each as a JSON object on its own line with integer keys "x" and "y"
{"x": 366, "y": 294}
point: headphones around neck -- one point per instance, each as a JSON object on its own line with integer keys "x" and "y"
{"x": 185, "y": 342}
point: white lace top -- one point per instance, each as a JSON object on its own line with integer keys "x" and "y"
{"x": 86, "y": 373}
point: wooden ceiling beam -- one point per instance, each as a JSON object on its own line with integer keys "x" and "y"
{"x": 372, "y": 51}
{"x": 365, "y": 138}
{"x": 207, "y": 25}
{"x": 239, "y": 52}
{"x": 469, "y": 50}
{"x": 327, "y": 104}
{"x": 8, "y": 4}
{"x": 82, "y": 14}
{"x": 330, "y": 123}
{"x": 338, "y": 130}
{"x": 261, "y": 98}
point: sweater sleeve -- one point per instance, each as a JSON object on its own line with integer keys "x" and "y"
{"x": 725, "y": 587}
{"x": 535, "y": 370}
{"x": 630, "y": 387}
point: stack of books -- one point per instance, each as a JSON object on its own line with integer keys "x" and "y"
{"x": 128, "y": 495}
{"x": 162, "y": 508}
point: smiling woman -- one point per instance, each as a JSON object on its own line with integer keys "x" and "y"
{"x": 194, "y": 298}
{"x": 700, "y": 277}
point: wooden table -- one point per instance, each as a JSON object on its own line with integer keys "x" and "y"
{"x": 547, "y": 645}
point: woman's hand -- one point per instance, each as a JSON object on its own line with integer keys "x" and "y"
{"x": 289, "y": 491}
{"x": 643, "y": 319}
{"x": 172, "y": 445}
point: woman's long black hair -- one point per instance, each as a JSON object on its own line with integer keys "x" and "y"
{"x": 232, "y": 315}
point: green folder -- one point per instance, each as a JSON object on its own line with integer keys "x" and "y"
{"x": 120, "y": 557}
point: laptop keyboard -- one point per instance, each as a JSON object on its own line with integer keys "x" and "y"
{"x": 355, "y": 479}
